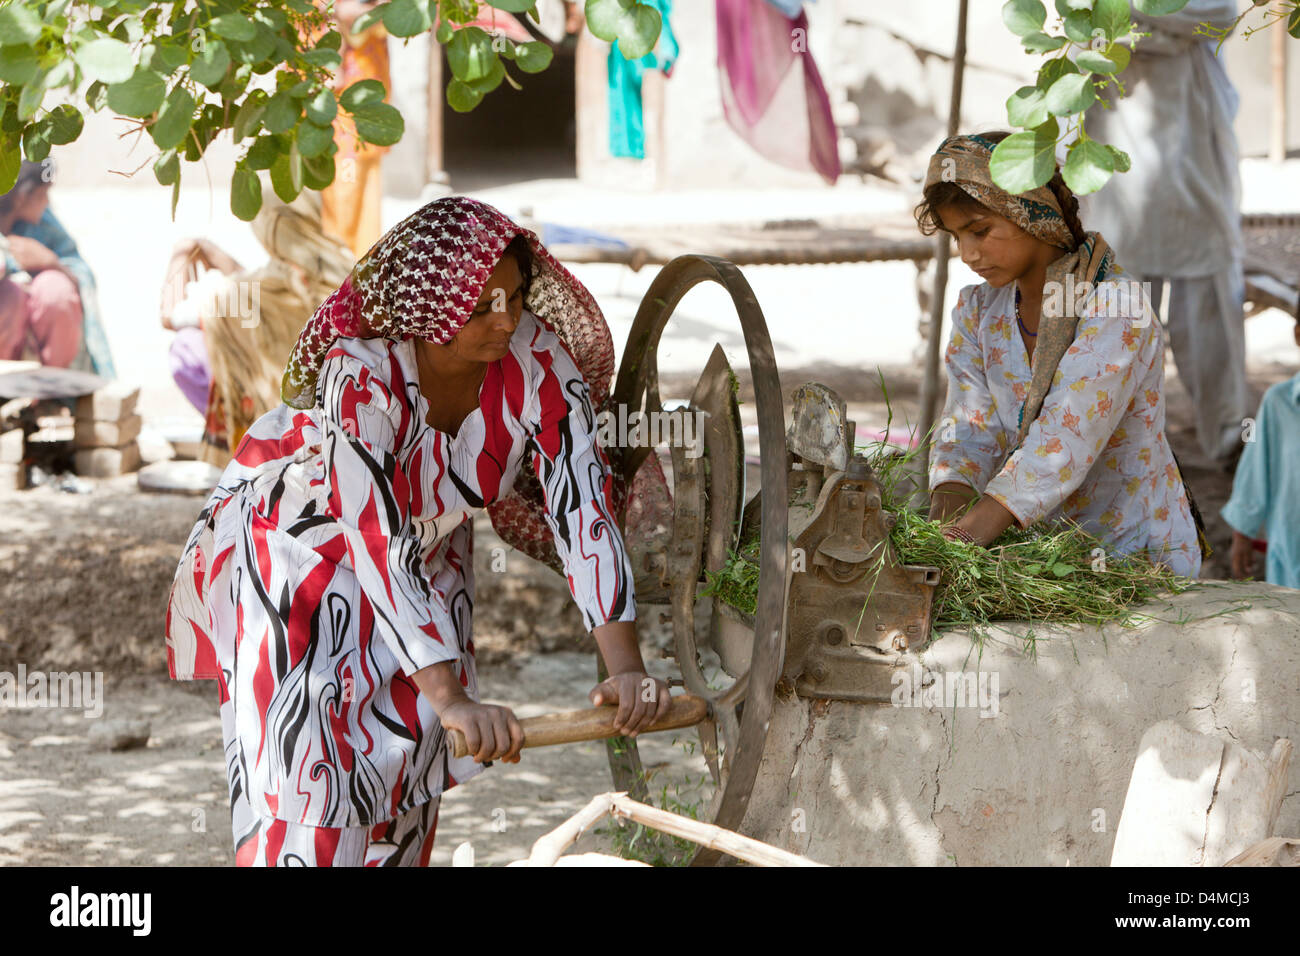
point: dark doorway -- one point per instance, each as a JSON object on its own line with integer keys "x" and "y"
{"x": 515, "y": 134}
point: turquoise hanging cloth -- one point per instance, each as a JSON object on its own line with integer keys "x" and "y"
{"x": 626, "y": 128}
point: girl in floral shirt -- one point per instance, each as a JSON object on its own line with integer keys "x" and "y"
{"x": 1055, "y": 403}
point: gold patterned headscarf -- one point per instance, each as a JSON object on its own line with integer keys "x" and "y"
{"x": 964, "y": 161}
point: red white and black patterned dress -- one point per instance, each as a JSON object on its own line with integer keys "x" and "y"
{"x": 334, "y": 559}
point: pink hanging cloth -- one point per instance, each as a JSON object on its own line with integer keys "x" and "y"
{"x": 788, "y": 122}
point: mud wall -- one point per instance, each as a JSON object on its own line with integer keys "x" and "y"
{"x": 1028, "y": 761}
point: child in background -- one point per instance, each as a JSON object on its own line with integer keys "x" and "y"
{"x": 1266, "y": 488}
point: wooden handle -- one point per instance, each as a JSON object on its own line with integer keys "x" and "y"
{"x": 594, "y": 723}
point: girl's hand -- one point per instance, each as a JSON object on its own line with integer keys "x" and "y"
{"x": 491, "y": 732}
{"x": 641, "y": 700}
{"x": 31, "y": 255}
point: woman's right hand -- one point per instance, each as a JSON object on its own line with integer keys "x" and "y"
{"x": 491, "y": 732}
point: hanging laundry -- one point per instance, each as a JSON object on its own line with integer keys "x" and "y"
{"x": 787, "y": 119}
{"x": 626, "y": 126}
{"x": 790, "y": 8}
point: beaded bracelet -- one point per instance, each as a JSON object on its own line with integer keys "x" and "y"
{"x": 961, "y": 534}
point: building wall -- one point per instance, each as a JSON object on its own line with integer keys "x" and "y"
{"x": 886, "y": 66}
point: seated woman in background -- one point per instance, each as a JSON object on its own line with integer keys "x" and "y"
{"x": 235, "y": 328}
{"x": 47, "y": 292}
{"x": 1055, "y": 403}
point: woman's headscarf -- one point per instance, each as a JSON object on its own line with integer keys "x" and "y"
{"x": 964, "y": 161}
{"x": 424, "y": 278}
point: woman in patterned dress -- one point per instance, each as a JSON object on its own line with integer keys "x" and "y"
{"x": 1055, "y": 403}
{"x": 328, "y": 584}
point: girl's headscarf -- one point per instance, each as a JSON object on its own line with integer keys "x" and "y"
{"x": 424, "y": 278}
{"x": 964, "y": 161}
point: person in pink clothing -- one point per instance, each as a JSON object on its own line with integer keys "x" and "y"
{"x": 39, "y": 299}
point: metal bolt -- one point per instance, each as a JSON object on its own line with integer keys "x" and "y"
{"x": 900, "y": 641}
{"x": 834, "y": 634}
{"x": 818, "y": 672}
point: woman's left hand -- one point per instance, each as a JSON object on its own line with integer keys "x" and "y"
{"x": 641, "y": 700}
{"x": 31, "y": 255}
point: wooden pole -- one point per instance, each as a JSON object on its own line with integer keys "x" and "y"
{"x": 930, "y": 386}
{"x": 594, "y": 723}
{"x": 549, "y": 847}
{"x": 1277, "y": 138}
{"x": 433, "y": 156}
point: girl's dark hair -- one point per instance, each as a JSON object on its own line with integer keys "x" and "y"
{"x": 30, "y": 179}
{"x": 950, "y": 194}
{"x": 523, "y": 253}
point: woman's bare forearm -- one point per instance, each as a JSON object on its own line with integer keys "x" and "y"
{"x": 619, "y": 648}
{"x": 439, "y": 683}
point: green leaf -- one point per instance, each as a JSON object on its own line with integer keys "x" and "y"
{"x": 66, "y": 124}
{"x": 1025, "y": 107}
{"x": 36, "y": 141}
{"x": 1042, "y": 43}
{"x": 18, "y": 64}
{"x": 470, "y": 54}
{"x": 317, "y": 171}
{"x": 332, "y": 40}
{"x": 462, "y": 97}
{"x": 406, "y": 18}
{"x": 1159, "y": 8}
{"x": 96, "y": 95}
{"x": 1063, "y": 570}
{"x": 19, "y": 24}
{"x": 373, "y": 15}
{"x": 444, "y": 32}
{"x": 245, "y": 194}
{"x": 1053, "y": 70}
{"x": 322, "y": 108}
{"x": 1033, "y": 569}
{"x": 174, "y": 119}
{"x": 1027, "y": 160}
{"x": 235, "y": 26}
{"x": 1112, "y": 17}
{"x": 1078, "y": 26}
{"x": 176, "y": 194}
{"x": 140, "y": 95}
{"x": 61, "y": 74}
{"x": 1024, "y": 17}
{"x": 326, "y": 59}
{"x": 249, "y": 115}
{"x": 512, "y": 6}
{"x": 262, "y": 153}
{"x": 164, "y": 57}
{"x": 634, "y": 26}
{"x": 210, "y": 66}
{"x": 496, "y": 73}
{"x": 362, "y": 93}
{"x": 11, "y": 160}
{"x": 1120, "y": 159}
{"x": 1293, "y": 23}
{"x": 1087, "y": 167}
{"x": 1071, "y": 94}
{"x": 1095, "y": 62}
{"x": 534, "y": 56}
{"x": 108, "y": 60}
{"x": 167, "y": 168}
{"x": 29, "y": 100}
{"x": 282, "y": 112}
{"x": 379, "y": 123}
{"x": 313, "y": 140}
{"x": 286, "y": 175}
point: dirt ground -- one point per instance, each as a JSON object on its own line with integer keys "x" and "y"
{"x": 83, "y": 586}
